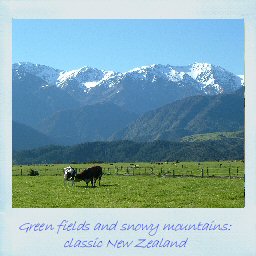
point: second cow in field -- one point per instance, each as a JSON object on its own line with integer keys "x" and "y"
{"x": 90, "y": 175}
{"x": 69, "y": 174}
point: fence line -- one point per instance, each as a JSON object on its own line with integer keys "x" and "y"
{"x": 168, "y": 172}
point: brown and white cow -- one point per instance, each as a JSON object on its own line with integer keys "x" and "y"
{"x": 90, "y": 174}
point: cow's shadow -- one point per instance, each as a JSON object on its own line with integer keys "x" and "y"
{"x": 109, "y": 185}
{"x": 103, "y": 185}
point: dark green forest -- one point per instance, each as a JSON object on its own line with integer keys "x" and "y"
{"x": 129, "y": 151}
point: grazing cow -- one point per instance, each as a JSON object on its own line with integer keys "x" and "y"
{"x": 69, "y": 174}
{"x": 90, "y": 175}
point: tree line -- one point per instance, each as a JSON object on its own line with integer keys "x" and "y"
{"x": 130, "y": 151}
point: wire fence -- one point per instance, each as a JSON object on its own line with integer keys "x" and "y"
{"x": 216, "y": 170}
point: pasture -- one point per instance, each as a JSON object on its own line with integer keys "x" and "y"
{"x": 134, "y": 185}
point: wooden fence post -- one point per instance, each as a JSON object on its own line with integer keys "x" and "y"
{"x": 202, "y": 172}
{"x": 173, "y": 173}
{"x": 229, "y": 172}
{"x": 207, "y": 171}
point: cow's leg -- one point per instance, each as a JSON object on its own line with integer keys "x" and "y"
{"x": 65, "y": 181}
{"x": 99, "y": 180}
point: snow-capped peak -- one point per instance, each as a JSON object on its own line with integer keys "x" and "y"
{"x": 242, "y": 79}
{"x": 46, "y": 73}
{"x": 202, "y": 72}
{"x": 154, "y": 72}
{"x": 87, "y": 77}
{"x": 197, "y": 69}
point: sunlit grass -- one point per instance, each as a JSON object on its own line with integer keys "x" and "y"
{"x": 118, "y": 191}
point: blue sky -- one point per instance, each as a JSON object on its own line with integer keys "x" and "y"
{"x": 121, "y": 45}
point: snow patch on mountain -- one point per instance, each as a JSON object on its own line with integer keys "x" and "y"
{"x": 203, "y": 73}
{"x": 83, "y": 75}
{"x": 242, "y": 79}
{"x": 199, "y": 71}
{"x": 86, "y": 77}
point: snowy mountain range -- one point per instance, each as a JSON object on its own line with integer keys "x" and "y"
{"x": 206, "y": 77}
{"x": 138, "y": 90}
{"x": 48, "y": 99}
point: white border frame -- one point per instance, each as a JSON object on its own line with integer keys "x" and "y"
{"x": 240, "y": 241}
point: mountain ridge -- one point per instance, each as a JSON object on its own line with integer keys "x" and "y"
{"x": 88, "y": 123}
{"x": 201, "y": 72}
{"x": 24, "y": 137}
{"x": 185, "y": 117}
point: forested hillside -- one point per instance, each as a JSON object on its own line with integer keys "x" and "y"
{"x": 128, "y": 151}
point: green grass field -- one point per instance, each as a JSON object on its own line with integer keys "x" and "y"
{"x": 124, "y": 186}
